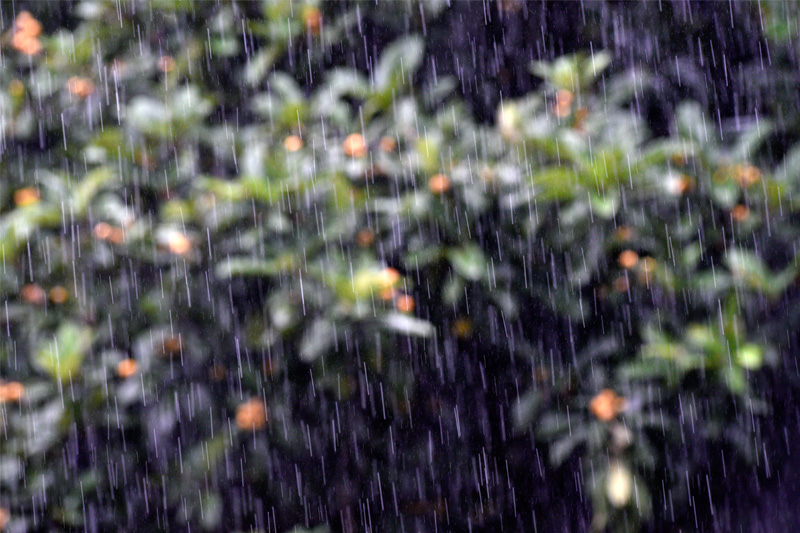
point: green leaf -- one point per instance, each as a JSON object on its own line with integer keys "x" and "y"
{"x": 468, "y": 261}
{"x": 408, "y": 325}
{"x": 526, "y": 409}
{"x": 62, "y": 357}
{"x": 399, "y": 62}
{"x": 317, "y": 339}
{"x": 253, "y": 267}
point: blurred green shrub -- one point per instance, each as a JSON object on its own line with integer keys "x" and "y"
{"x": 216, "y": 278}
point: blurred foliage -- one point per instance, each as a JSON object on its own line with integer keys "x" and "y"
{"x": 239, "y": 299}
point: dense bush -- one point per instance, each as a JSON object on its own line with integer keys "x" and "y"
{"x": 248, "y": 287}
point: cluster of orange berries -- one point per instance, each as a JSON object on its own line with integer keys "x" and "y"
{"x": 629, "y": 259}
{"x": 34, "y": 294}
{"x": 355, "y": 145}
{"x": 107, "y": 232}
{"x": 26, "y": 34}
{"x": 402, "y": 302}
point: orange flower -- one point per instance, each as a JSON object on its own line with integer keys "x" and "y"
{"x": 439, "y": 184}
{"x": 354, "y": 145}
{"x": 11, "y": 392}
{"x": 33, "y": 294}
{"x": 563, "y": 105}
{"x": 166, "y": 63}
{"x": 405, "y": 304}
{"x": 388, "y": 144}
{"x": 606, "y": 406}
{"x": 365, "y": 237}
{"x": 251, "y": 415}
{"x": 26, "y": 196}
{"x": 312, "y": 18}
{"x": 740, "y": 213}
{"x": 628, "y": 259}
{"x": 292, "y": 143}
{"x": 126, "y": 368}
{"x": 58, "y": 294}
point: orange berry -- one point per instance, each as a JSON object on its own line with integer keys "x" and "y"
{"x": 354, "y": 145}
{"x": 178, "y": 243}
{"x": 388, "y": 144}
{"x": 11, "y": 392}
{"x": 387, "y": 294}
{"x": 26, "y": 24}
{"x": 171, "y": 346}
{"x": 581, "y": 114}
{"x": 462, "y": 328}
{"x": 26, "y": 196}
{"x": 312, "y": 18}
{"x": 621, "y": 284}
{"x": 30, "y": 46}
{"x": 166, "y": 63}
{"x": 747, "y": 175}
{"x": 623, "y": 233}
{"x": 58, "y": 294}
{"x": 405, "y": 304}
{"x": 606, "y": 406}
{"x": 679, "y": 159}
{"x": 126, "y": 368}
{"x": 388, "y": 277}
{"x": 102, "y": 230}
{"x": 628, "y": 259}
{"x": 740, "y": 213}
{"x": 251, "y": 415}
{"x": 292, "y": 143}
{"x": 80, "y": 87}
{"x": 365, "y": 237}
{"x": 439, "y": 184}
{"x": 563, "y": 105}
{"x": 217, "y": 373}
{"x": 33, "y": 294}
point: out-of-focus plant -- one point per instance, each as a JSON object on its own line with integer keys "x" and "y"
{"x": 236, "y": 298}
